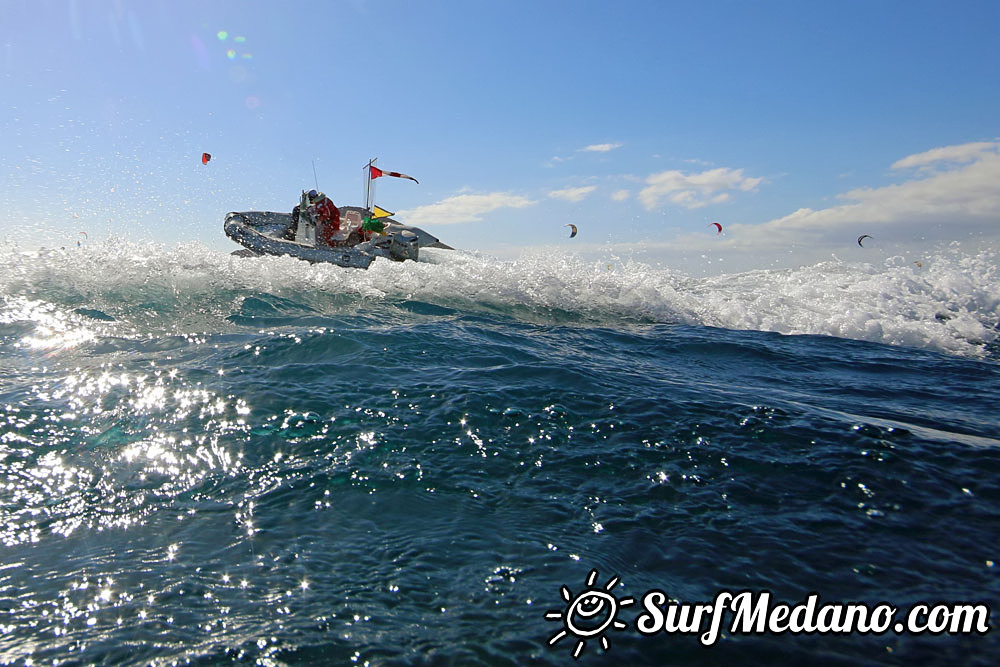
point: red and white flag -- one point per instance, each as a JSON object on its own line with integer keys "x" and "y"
{"x": 375, "y": 172}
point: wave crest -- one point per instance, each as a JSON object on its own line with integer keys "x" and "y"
{"x": 948, "y": 302}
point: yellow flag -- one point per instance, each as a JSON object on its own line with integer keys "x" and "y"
{"x": 378, "y": 212}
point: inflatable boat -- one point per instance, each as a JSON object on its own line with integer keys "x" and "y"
{"x": 273, "y": 233}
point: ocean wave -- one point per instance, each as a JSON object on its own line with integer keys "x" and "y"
{"x": 950, "y": 301}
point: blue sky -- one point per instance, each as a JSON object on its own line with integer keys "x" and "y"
{"x": 795, "y": 125}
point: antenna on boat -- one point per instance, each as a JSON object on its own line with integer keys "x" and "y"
{"x": 316, "y": 180}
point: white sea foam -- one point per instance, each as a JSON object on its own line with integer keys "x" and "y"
{"x": 949, "y": 302}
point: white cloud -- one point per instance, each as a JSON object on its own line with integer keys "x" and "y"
{"x": 620, "y": 195}
{"x": 463, "y": 208}
{"x": 959, "y": 194}
{"x": 695, "y": 190}
{"x": 961, "y": 153}
{"x": 600, "y": 148}
{"x": 593, "y": 148}
{"x": 573, "y": 194}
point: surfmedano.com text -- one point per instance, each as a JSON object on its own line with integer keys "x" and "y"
{"x": 752, "y": 613}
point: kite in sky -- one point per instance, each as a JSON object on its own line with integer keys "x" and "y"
{"x": 717, "y": 226}
{"x": 205, "y": 157}
{"x": 862, "y": 238}
{"x": 572, "y": 228}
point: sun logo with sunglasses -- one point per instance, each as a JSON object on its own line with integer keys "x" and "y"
{"x": 589, "y": 614}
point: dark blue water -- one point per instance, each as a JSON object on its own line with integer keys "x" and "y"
{"x": 212, "y": 460}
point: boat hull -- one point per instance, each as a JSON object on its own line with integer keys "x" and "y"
{"x": 262, "y": 231}
{"x": 265, "y": 233}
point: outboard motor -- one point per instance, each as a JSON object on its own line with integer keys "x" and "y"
{"x": 404, "y": 245}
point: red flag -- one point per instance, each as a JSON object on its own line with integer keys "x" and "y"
{"x": 376, "y": 172}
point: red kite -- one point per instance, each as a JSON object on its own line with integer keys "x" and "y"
{"x": 205, "y": 157}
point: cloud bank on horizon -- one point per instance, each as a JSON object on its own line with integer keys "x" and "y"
{"x": 951, "y": 190}
{"x": 948, "y": 190}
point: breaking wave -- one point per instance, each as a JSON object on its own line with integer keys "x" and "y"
{"x": 948, "y": 302}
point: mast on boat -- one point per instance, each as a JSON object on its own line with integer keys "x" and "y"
{"x": 369, "y": 186}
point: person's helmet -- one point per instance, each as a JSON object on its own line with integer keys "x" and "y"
{"x": 315, "y": 196}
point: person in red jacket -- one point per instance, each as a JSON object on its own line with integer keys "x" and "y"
{"x": 326, "y": 215}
